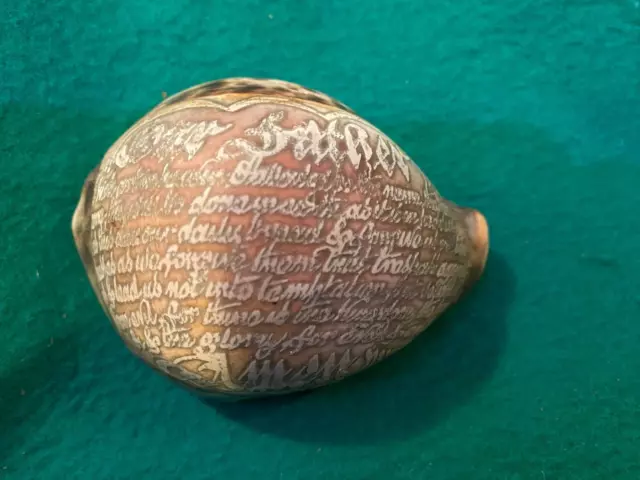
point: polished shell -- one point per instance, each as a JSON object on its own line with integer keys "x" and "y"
{"x": 250, "y": 237}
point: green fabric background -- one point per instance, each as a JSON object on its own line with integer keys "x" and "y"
{"x": 529, "y": 111}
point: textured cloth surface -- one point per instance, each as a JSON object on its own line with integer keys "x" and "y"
{"x": 529, "y": 111}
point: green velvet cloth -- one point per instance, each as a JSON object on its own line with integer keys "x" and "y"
{"x": 528, "y": 111}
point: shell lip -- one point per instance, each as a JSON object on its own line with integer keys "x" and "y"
{"x": 81, "y": 231}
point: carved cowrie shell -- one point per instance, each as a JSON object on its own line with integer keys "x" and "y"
{"x": 251, "y": 237}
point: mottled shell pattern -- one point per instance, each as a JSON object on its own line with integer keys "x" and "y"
{"x": 253, "y": 237}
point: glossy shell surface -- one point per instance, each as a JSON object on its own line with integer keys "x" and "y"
{"x": 251, "y": 237}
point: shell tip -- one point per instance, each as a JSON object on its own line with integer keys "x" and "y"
{"x": 478, "y": 230}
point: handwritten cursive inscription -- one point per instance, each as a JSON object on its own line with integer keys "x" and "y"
{"x": 256, "y": 245}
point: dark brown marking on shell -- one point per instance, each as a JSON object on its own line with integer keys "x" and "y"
{"x": 256, "y": 86}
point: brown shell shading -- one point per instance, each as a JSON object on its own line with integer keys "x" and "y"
{"x": 252, "y": 237}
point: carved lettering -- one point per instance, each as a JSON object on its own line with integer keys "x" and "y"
{"x": 196, "y": 232}
{"x": 281, "y": 253}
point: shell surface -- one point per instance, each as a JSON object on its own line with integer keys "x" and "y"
{"x": 251, "y": 237}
